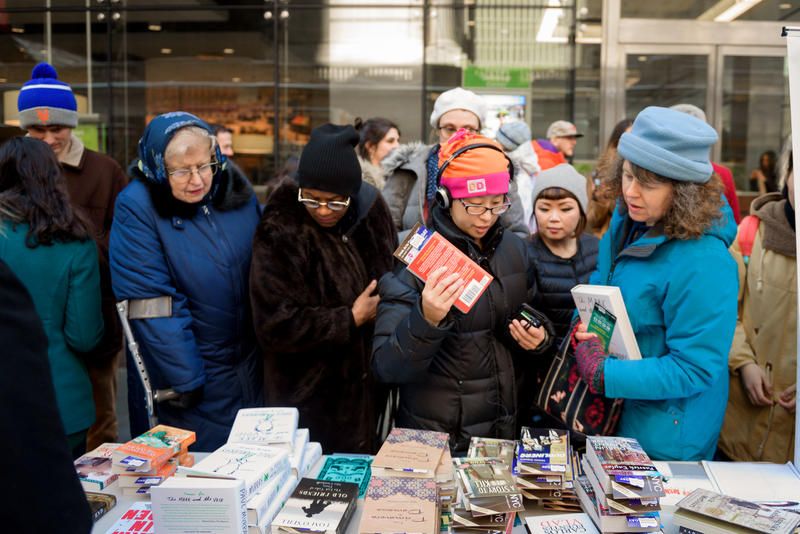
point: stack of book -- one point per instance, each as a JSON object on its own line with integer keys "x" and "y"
{"x": 318, "y": 506}
{"x": 94, "y": 468}
{"x": 151, "y": 458}
{"x": 712, "y": 513}
{"x": 544, "y": 468}
{"x": 493, "y": 448}
{"x": 411, "y": 484}
{"x": 621, "y": 487}
{"x": 486, "y": 488}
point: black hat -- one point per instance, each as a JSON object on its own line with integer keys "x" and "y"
{"x": 329, "y": 162}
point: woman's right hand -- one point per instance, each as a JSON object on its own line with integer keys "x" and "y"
{"x": 582, "y": 334}
{"x": 755, "y": 383}
{"x": 439, "y": 295}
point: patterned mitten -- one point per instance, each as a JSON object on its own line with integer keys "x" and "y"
{"x": 591, "y": 359}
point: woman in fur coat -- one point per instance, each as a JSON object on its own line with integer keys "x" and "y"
{"x": 322, "y": 244}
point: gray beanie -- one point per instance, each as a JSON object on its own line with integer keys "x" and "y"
{"x": 513, "y": 134}
{"x": 566, "y": 177}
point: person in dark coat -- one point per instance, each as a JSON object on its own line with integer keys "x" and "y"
{"x": 322, "y": 244}
{"x": 35, "y": 449}
{"x": 562, "y": 254}
{"x": 49, "y": 112}
{"x": 456, "y": 371}
{"x": 182, "y": 234}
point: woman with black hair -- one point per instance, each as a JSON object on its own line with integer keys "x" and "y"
{"x": 48, "y": 246}
{"x": 377, "y": 138}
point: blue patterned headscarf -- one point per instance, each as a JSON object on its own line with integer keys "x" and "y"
{"x": 157, "y": 136}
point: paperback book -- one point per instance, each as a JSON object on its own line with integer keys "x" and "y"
{"x": 619, "y": 506}
{"x": 542, "y": 451}
{"x": 608, "y": 522}
{"x": 487, "y": 486}
{"x": 603, "y": 310}
{"x": 317, "y": 506}
{"x": 259, "y": 503}
{"x": 136, "y": 519}
{"x": 492, "y": 448}
{"x": 400, "y": 504}
{"x": 356, "y": 470}
{"x": 301, "y": 439}
{"x": 561, "y": 524}
{"x": 100, "y": 504}
{"x": 707, "y": 511}
{"x": 275, "y": 427}
{"x": 623, "y": 469}
{"x": 94, "y": 467}
{"x": 199, "y": 505}
{"x": 153, "y": 449}
{"x": 411, "y": 453}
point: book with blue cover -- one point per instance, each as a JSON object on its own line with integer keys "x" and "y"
{"x": 342, "y": 468}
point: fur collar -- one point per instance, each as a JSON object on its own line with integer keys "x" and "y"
{"x": 402, "y": 155}
{"x": 231, "y": 190}
{"x": 777, "y": 234}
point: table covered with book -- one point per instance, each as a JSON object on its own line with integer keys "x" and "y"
{"x": 276, "y": 480}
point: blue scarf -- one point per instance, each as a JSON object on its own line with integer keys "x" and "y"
{"x": 432, "y": 166}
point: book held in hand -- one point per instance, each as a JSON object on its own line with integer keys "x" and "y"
{"x": 603, "y": 311}
{"x": 424, "y": 251}
{"x": 317, "y": 506}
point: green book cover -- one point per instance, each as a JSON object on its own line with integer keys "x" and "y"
{"x": 602, "y": 323}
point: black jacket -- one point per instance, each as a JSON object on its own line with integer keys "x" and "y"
{"x": 556, "y": 276}
{"x": 35, "y": 451}
{"x": 303, "y": 282}
{"x": 458, "y": 377}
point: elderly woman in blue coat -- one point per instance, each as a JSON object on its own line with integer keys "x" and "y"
{"x": 667, "y": 251}
{"x": 181, "y": 244}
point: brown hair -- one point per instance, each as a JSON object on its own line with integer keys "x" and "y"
{"x": 601, "y": 197}
{"x": 693, "y": 208}
{"x": 557, "y": 193}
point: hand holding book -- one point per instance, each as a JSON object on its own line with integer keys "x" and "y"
{"x": 439, "y": 294}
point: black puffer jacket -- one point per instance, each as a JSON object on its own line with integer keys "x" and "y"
{"x": 459, "y": 377}
{"x": 555, "y": 277}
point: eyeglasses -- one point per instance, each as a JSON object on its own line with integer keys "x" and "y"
{"x": 205, "y": 171}
{"x": 477, "y": 209}
{"x": 449, "y": 129}
{"x": 333, "y": 205}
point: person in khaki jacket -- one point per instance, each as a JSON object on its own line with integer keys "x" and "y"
{"x": 759, "y": 422}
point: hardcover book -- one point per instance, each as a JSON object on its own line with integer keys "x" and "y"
{"x": 400, "y": 504}
{"x": 317, "y": 506}
{"x": 492, "y": 448}
{"x": 603, "y": 308}
{"x": 412, "y": 453}
{"x": 487, "y": 486}
{"x": 561, "y": 524}
{"x": 195, "y": 505}
{"x": 424, "y": 251}
{"x": 152, "y": 449}
{"x": 301, "y": 438}
{"x": 138, "y": 518}
{"x": 100, "y": 504}
{"x": 254, "y": 464}
{"x": 356, "y": 470}
{"x": 623, "y": 468}
{"x": 94, "y": 467}
{"x": 726, "y": 513}
{"x": 259, "y": 503}
{"x": 265, "y": 426}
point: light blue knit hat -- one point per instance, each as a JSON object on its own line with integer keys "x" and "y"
{"x": 671, "y": 144}
{"x": 46, "y": 100}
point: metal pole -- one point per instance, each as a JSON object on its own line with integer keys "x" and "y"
{"x": 424, "y": 100}
{"x": 89, "y": 90}
{"x": 48, "y": 32}
{"x": 276, "y": 98}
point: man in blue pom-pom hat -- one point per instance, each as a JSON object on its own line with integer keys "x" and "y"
{"x": 49, "y": 112}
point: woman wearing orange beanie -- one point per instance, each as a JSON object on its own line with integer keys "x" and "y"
{"x": 458, "y": 372}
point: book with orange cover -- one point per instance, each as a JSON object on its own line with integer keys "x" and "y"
{"x": 424, "y": 251}
{"x": 136, "y": 480}
{"x": 152, "y": 449}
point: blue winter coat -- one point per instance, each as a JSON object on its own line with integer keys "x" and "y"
{"x": 681, "y": 300}
{"x": 201, "y": 258}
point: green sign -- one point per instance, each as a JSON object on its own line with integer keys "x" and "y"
{"x": 89, "y": 134}
{"x": 497, "y": 77}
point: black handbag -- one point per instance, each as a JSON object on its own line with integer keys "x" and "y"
{"x": 565, "y": 396}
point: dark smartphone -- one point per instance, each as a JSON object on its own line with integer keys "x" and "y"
{"x": 526, "y": 314}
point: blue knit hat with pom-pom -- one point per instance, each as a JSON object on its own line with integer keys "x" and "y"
{"x": 45, "y": 100}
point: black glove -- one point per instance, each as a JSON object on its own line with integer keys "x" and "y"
{"x": 187, "y": 399}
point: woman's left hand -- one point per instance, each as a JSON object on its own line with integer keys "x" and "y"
{"x": 528, "y": 339}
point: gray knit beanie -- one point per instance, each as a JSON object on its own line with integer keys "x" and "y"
{"x": 566, "y": 177}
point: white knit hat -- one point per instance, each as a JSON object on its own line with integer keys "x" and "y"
{"x": 458, "y": 98}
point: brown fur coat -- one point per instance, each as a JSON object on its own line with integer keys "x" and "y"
{"x": 303, "y": 282}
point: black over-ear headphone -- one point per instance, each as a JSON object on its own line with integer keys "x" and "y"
{"x": 442, "y": 193}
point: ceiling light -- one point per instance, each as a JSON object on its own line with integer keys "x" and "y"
{"x": 166, "y": 50}
{"x": 549, "y": 24}
{"x": 228, "y": 51}
{"x": 154, "y": 27}
{"x": 736, "y": 10}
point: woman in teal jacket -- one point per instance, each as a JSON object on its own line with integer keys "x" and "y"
{"x": 48, "y": 246}
{"x": 667, "y": 251}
